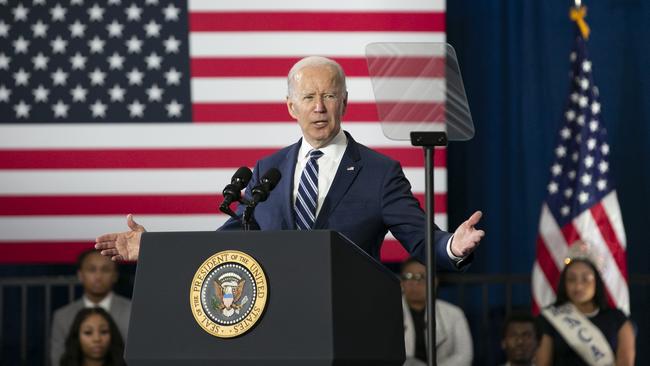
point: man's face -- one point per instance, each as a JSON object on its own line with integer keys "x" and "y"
{"x": 414, "y": 283}
{"x": 318, "y": 102}
{"x": 97, "y": 275}
{"x": 520, "y": 342}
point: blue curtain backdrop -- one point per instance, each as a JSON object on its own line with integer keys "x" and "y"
{"x": 514, "y": 57}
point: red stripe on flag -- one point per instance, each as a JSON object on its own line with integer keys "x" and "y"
{"x": 277, "y": 112}
{"x": 171, "y": 158}
{"x": 316, "y": 21}
{"x": 42, "y": 252}
{"x": 279, "y": 66}
{"x": 570, "y": 233}
{"x": 392, "y": 251}
{"x": 167, "y": 204}
{"x": 607, "y": 231}
{"x": 547, "y": 264}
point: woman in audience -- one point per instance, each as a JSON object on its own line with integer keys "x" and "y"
{"x": 94, "y": 340}
{"x": 580, "y": 328}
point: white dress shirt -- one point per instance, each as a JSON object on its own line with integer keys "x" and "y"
{"x": 328, "y": 164}
{"x": 104, "y": 304}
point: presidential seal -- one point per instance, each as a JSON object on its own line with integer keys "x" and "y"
{"x": 228, "y": 294}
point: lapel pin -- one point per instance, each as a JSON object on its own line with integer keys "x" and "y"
{"x": 350, "y": 168}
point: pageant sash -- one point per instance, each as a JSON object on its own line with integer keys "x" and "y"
{"x": 580, "y": 334}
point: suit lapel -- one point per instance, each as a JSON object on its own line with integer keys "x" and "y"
{"x": 345, "y": 174}
{"x": 287, "y": 168}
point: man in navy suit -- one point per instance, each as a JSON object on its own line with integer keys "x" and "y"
{"x": 361, "y": 193}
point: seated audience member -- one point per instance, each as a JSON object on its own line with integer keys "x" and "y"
{"x": 453, "y": 338}
{"x": 580, "y": 328}
{"x": 97, "y": 275}
{"x": 520, "y": 339}
{"x": 93, "y": 340}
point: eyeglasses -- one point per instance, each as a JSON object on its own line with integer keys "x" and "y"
{"x": 417, "y": 277}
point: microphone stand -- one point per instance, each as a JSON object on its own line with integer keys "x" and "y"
{"x": 428, "y": 141}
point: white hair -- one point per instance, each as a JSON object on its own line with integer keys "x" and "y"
{"x": 310, "y": 61}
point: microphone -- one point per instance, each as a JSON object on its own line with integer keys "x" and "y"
{"x": 232, "y": 192}
{"x": 268, "y": 181}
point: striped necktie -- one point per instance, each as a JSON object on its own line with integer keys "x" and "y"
{"x": 307, "y": 197}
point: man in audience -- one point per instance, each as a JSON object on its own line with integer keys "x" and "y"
{"x": 453, "y": 338}
{"x": 97, "y": 275}
{"x": 520, "y": 339}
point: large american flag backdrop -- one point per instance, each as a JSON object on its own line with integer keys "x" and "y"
{"x": 148, "y": 107}
{"x": 581, "y": 202}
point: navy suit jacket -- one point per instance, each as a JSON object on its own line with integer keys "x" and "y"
{"x": 369, "y": 196}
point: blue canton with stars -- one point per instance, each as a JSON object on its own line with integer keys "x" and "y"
{"x": 94, "y": 61}
{"x": 580, "y": 170}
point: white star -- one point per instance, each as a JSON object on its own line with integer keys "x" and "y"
{"x": 4, "y": 61}
{"x": 135, "y": 76}
{"x": 583, "y": 101}
{"x": 552, "y": 188}
{"x": 594, "y": 89}
{"x": 98, "y": 109}
{"x": 117, "y": 93}
{"x": 572, "y": 56}
{"x": 77, "y": 29}
{"x": 136, "y": 109}
{"x": 585, "y": 179}
{"x": 133, "y": 12}
{"x": 603, "y": 166}
{"x": 115, "y": 29}
{"x": 560, "y": 151}
{"x": 581, "y": 120}
{"x": 77, "y": 2}
{"x": 570, "y": 115}
{"x": 22, "y": 109}
{"x": 60, "y": 109}
{"x": 174, "y": 109}
{"x": 604, "y": 149}
{"x": 4, "y": 29}
{"x": 171, "y": 12}
{"x": 96, "y": 13}
{"x": 134, "y": 45}
{"x": 20, "y": 13}
{"x": 39, "y": 2}
{"x": 58, "y": 13}
{"x": 97, "y": 77}
{"x": 601, "y": 184}
{"x": 151, "y": 2}
{"x": 586, "y": 66}
{"x": 116, "y": 61}
{"x": 4, "y": 94}
{"x": 565, "y": 133}
{"x": 114, "y": 2}
{"x": 21, "y": 77}
{"x": 21, "y": 45}
{"x": 589, "y": 161}
{"x": 584, "y": 83}
{"x": 595, "y": 107}
{"x": 574, "y": 97}
{"x": 583, "y": 197}
{"x": 565, "y": 210}
{"x": 155, "y": 93}
{"x": 572, "y": 174}
{"x": 39, "y": 29}
{"x": 96, "y": 45}
{"x": 575, "y": 156}
{"x": 593, "y": 125}
{"x": 78, "y": 61}
{"x": 40, "y": 94}
{"x": 153, "y": 61}
{"x": 58, "y": 45}
{"x": 568, "y": 193}
{"x": 59, "y": 77}
{"x": 591, "y": 144}
{"x": 556, "y": 169}
{"x": 172, "y": 45}
{"x": 152, "y": 29}
{"x": 40, "y": 61}
{"x": 78, "y": 93}
{"x": 578, "y": 138}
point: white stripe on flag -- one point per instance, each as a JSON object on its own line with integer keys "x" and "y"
{"x": 613, "y": 210}
{"x": 543, "y": 292}
{"x": 552, "y": 237}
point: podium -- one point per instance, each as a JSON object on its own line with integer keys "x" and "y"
{"x": 328, "y": 302}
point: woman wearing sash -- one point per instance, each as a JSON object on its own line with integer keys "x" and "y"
{"x": 580, "y": 328}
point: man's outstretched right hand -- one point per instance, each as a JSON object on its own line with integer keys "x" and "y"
{"x": 124, "y": 246}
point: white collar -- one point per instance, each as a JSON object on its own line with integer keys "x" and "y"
{"x": 104, "y": 304}
{"x": 336, "y": 147}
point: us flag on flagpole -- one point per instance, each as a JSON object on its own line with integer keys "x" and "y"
{"x": 148, "y": 107}
{"x": 581, "y": 202}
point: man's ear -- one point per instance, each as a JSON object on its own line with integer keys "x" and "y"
{"x": 345, "y": 103}
{"x": 291, "y": 107}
